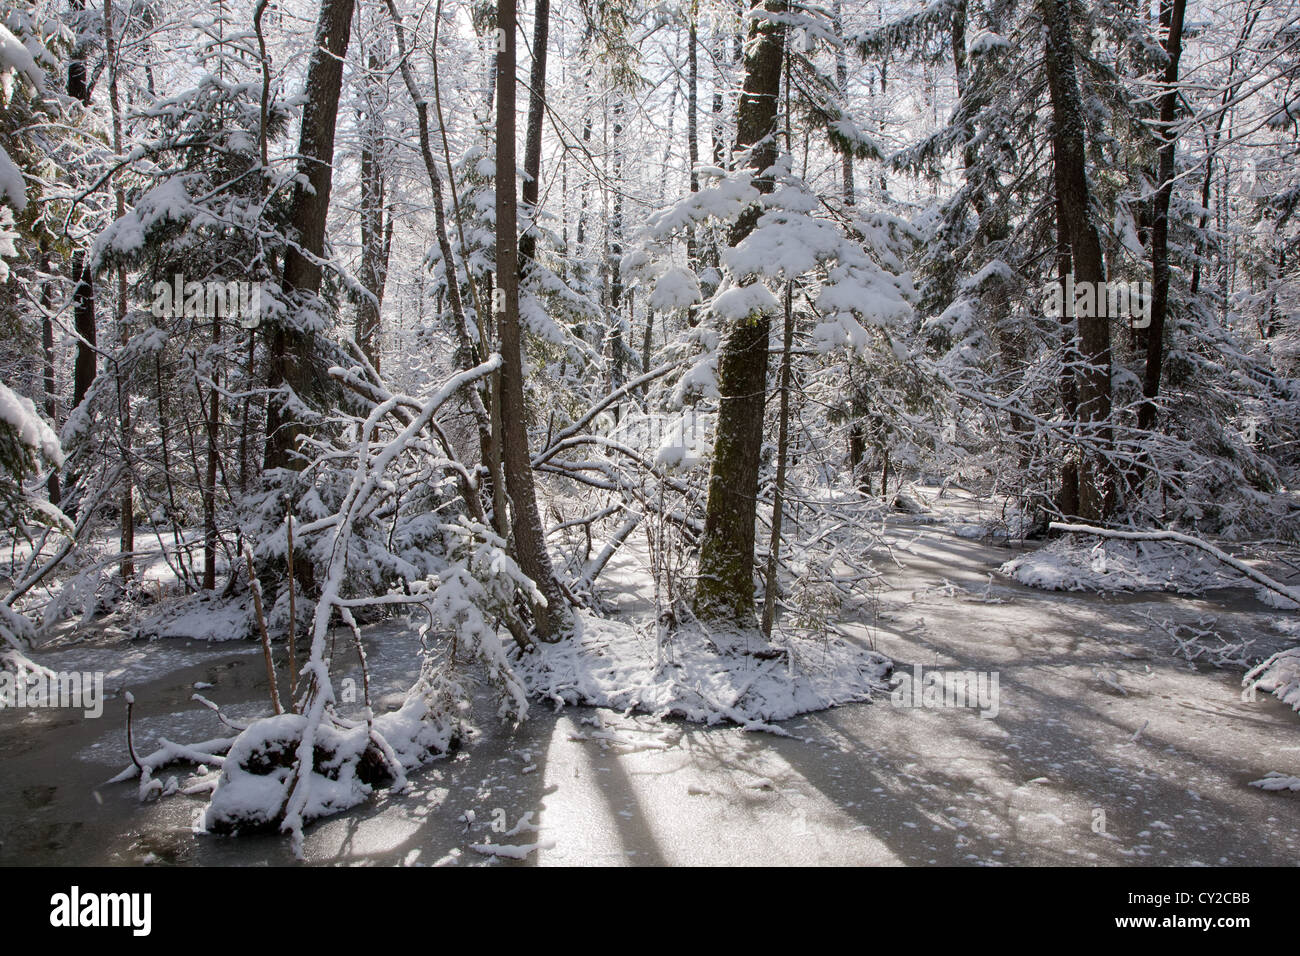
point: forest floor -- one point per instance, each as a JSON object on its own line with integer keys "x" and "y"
{"x": 1108, "y": 747}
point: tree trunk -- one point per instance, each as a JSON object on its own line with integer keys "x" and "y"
{"x": 529, "y": 539}
{"x": 83, "y": 296}
{"x": 376, "y": 230}
{"x": 1067, "y": 495}
{"x": 778, "y": 490}
{"x": 1171, "y": 17}
{"x": 51, "y": 402}
{"x": 122, "y": 375}
{"x": 726, "y": 574}
{"x": 617, "y": 348}
{"x": 470, "y": 351}
{"x": 842, "y": 80}
{"x": 1096, "y": 489}
{"x": 292, "y": 347}
{"x": 858, "y": 452}
{"x": 533, "y": 142}
{"x": 692, "y": 134}
{"x": 719, "y": 134}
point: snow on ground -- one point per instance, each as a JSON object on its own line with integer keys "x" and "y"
{"x": 202, "y": 617}
{"x": 1109, "y": 747}
{"x": 701, "y": 676}
{"x": 1082, "y": 563}
{"x": 1280, "y": 676}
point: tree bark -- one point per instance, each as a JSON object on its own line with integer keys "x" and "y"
{"x": 848, "y": 188}
{"x": 122, "y": 375}
{"x": 376, "y": 229}
{"x": 533, "y": 141}
{"x": 530, "y": 543}
{"x": 617, "y": 348}
{"x": 1171, "y": 17}
{"x": 1096, "y": 488}
{"x": 772, "y": 578}
{"x": 692, "y": 130}
{"x": 292, "y": 347}
{"x": 51, "y": 402}
{"x": 83, "y": 297}
{"x": 726, "y": 573}
{"x": 1067, "y": 495}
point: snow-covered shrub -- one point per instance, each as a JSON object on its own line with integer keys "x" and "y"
{"x": 381, "y": 547}
{"x": 26, "y": 442}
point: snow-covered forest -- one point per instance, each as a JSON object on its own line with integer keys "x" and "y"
{"x": 521, "y": 386}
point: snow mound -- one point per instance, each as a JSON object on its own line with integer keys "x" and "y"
{"x": 1279, "y": 676}
{"x": 1072, "y": 563}
{"x": 349, "y": 760}
{"x": 702, "y": 676}
{"x": 257, "y": 773}
{"x": 1277, "y": 781}
{"x": 511, "y": 851}
{"x": 201, "y": 617}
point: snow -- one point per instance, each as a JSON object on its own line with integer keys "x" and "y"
{"x": 1072, "y": 563}
{"x": 12, "y": 187}
{"x": 986, "y": 42}
{"x": 202, "y": 617}
{"x": 1277, "y": 781}
{"x": 686, "y": 442}
{"x": 167, "y": 202}
{"x": 8, "y": 239}
{"x": 699, "y": 381}
{"x": 702, "y": 676}
{"x": 843, "y": 787}
{"x": 16, "y": 59}
{"x": 511, "y": 851}
{"x": 742, "y": 301}
{"x": 996, "y": 270}
{"x": 1280, "y": 676}
{"x": 19, "y": 413}
{"x": 677, "y": 288}
{"x": 723, "y": 200}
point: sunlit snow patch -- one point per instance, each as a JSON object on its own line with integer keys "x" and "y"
{"x": 702, "y": 676}
{"x": 1072, "y": 563}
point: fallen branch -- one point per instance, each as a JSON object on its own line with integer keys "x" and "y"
{"x": 1263, "y": 580}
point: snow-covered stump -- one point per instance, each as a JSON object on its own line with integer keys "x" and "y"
{"x": 288, "y": 770}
